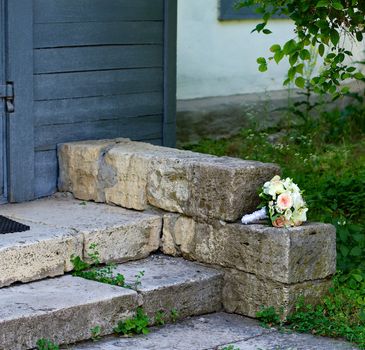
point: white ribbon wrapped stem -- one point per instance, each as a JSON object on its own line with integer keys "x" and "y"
{"x": 255, "y": 216}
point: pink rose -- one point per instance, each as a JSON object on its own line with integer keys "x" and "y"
{"x": 284, "y": 201}
{"x": 279, "y": 222}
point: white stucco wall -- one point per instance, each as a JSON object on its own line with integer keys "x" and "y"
{"x": 216, "y": 58}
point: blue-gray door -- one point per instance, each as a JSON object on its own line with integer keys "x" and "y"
{"x": 85, "y": 69}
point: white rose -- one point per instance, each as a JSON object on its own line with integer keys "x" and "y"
{"x": 276, "y": 178}
{"x": 299, "y": 216}
{"x": 274, "y": 187}
{"x": 288, "y": 213}
{"x": 294, "y": 187}
{"x": 290, "y": 185}
{"x": 298, "y": 201}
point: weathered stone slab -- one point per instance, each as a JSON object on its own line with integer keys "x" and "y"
{"x": 292, "y": 255}
{"x": 245, "y": 293}
{"x": 120, "y": 234}
{"x": 211, "y": 331}
{"x": 63, "y": 309}
{"x": 174, "y": 283}
{"x": 196, "y": 333}
{"x": 133, "y": 175}
{"x": 44, "y": 251}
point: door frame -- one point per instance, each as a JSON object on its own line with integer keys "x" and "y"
{"x": 3, "y": 187}
{"x": 170, "y": 47}
{"x": 20, "y": 124}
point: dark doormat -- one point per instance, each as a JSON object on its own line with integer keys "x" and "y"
{"x": 11, "y": 226}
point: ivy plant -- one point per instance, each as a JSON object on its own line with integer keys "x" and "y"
{"x": 321, "y": 28}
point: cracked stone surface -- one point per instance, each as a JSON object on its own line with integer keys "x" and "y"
{"x": 174, "y": 283}
{"x": 135, "y": 174}
{"x": 292, "y": 255}
{"x": 62, "y": 226}
{"x": 215, "y": 331}
{"x": 63, "y": 309}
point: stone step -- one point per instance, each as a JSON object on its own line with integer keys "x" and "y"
{"x": 62, "y": 227}
{"x": 135, "y": 175}
{"x": 65, "y": 309}
{"x": 175, "y": 283}
{"x": 217, "y": 332}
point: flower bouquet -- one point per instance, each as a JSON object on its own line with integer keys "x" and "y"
{"x": 282, "y": 203}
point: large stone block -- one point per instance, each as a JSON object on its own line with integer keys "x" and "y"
{"x": 206, "y": 186}
{"x": 134, "y": 174}
{"x": 245, "y": 293}
{"x": 44, "y": 251}
{"x": 292, "y": 255}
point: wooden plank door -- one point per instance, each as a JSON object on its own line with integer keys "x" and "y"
{"x": 83, "y": 70}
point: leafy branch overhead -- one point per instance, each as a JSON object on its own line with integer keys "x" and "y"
{"x": 321, "y": 27}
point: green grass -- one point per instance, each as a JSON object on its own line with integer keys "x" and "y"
{"x": 340, "y": 314}
{"x": 326, "y": 158}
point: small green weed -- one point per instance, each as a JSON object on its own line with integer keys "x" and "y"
{"x": 95, "y": 333}
{"x": 104, "y": 274}
{"x": 46, "y": 344}
{"x": 230, "y": 347}
{"x": 78, "y": 265}
{"x": 174, "y": 314}
{"x": 269, "y": 317}
{"x": 278, "y": 348}
{"x": 93, "y": 254}
{"x": 138, "y": 278}
{"x": 160, "y": 317}
{"x": 136, "y": 325}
